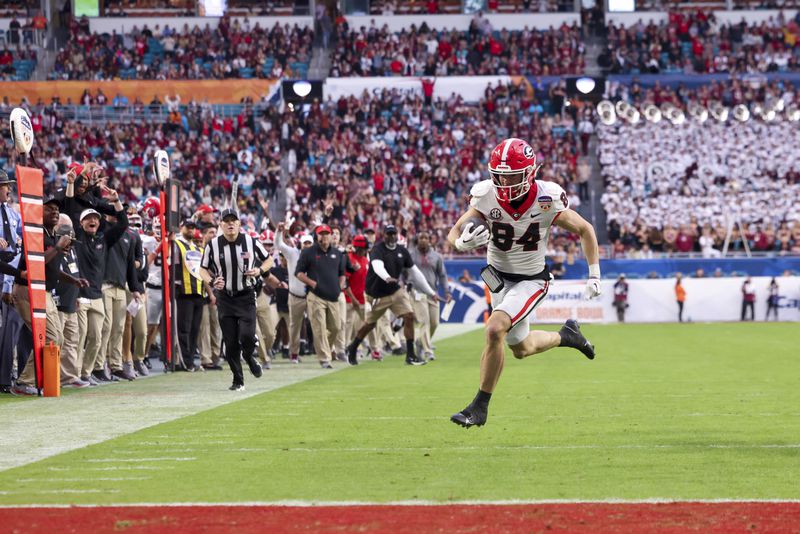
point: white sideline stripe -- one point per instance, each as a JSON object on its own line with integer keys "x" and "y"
{"x": 115, "y": 460}
{"x": 311, "y": 504}
{"x": 62, "y": 491}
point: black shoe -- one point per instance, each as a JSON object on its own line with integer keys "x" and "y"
{"x": 100, "y": 376}
{"x": 571, "y": 337}
{"x": 326, "y": 365}
{"x": 399, "y": 351}
{"x": 123, "y": 375}
{"x": 352, "y": 354}
{"x": 212, "y": 367}
{"x": 415, "y": 360}
{"x": 5, "y": 389}
{"x": 255, "y": 368}
{"x": 236, "y": 387}
{"x": 472, "y": 415}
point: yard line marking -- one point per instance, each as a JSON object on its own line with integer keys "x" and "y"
{"x": 91, "y": 479}
{"x": 163, "y": 459}
{"x": 421, "y": 502}
{"x": 114, "y": 468}
{"x": 536, "y": 447}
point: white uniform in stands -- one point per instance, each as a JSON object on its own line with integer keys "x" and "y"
{"x": 517, "y": 247}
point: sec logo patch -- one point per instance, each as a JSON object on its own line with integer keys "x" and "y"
{"x": 495, "y": 213}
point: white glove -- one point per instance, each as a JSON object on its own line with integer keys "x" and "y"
{"x": 592, "y": 289}
{"x": 472, "y": 239}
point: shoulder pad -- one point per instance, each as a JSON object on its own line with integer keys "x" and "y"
{"x": 481, "y": 188}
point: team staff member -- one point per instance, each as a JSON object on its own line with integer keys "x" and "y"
{"x": 321, "y": 268}
{"x": 210, "y": 343}
{"x": 230, "y": 264}
{"x": 11, "y": 321}
{"x": 136, "y": 326}
{"x": 53, "y": 252}
{"x": 92, "y": 254}
{"x": 282, "y": 302}
{"x": 66, "y": 299}
{"x": 153, "y": 289}
{"x": 426, "y": 310}
{"x": 189, "y": 300}
{"x": 356, "y": 301}
{"x": 388, "y": 261}
{"x": 120, "y": 274}
{"x": 297, "y": 290}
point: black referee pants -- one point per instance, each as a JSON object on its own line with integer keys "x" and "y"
{"x": 237, "y": 319}
{"x": 189, "y": 310}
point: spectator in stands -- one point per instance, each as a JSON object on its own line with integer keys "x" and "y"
{"x": 772, "y": 299}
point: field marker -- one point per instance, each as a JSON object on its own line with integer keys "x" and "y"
{"x": 91, "y": 479}
{"x": 163, "y": 459}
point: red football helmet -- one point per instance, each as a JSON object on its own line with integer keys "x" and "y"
{"x": 267, "y": 237}
{"x": 512, "y": 167}
{"x": 152, "y": 207}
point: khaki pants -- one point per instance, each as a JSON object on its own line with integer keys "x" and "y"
{"x": 266, "y": 322}
{"x": 71, "y": 357}
{"x": 340, "y": 343}
{"x": 297, "y": 308}
{"x": 53, "y": 331}
{"x": 135, "y": 327}
{"x": 324, "y": 317}
{"x": 210, "y": 341}
{"x": 355, "y": 320}
{"x": 114, "y": 302}
{"x": 90, "y": 333}
{"x": 426, "y": 311}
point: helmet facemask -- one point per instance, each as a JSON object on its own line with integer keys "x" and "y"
{"x": 512, "y": 184}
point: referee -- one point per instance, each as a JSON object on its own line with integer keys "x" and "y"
{"x": 230, "y": 265}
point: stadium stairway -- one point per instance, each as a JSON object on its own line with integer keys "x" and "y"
{"x": 594, "y": 47}
{"x": 320, "y": 64}
{"x": 45, "y": 65}
{"x": 593, "y": 210}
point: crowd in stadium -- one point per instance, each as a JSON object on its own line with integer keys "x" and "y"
{"x": 236, "y": 48}
{"x": 482, "y": 50}
{"x": 675, "y": 189}
{"x": 695, "y": 42}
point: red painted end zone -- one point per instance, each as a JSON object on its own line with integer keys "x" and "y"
{"x": 587, "y": 517}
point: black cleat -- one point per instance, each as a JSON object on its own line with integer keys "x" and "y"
{"x": 471, "y": 416}
{"x": 255, "y": 368}
{"x": 352, "y": 354}
{"x": 571, "y": 337}
{"x": 415, "y": 360}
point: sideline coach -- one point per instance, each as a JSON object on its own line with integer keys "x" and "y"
{"x": 321, "y": 267}
{"x": 236, "y": 260}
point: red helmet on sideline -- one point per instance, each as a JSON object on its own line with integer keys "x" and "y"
{"x": 152, "y": 207}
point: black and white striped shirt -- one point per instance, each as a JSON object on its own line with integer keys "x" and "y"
{"x": 231, "y": 259}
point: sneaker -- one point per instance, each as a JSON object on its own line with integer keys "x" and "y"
{"x": 91, "y": 379}
{"x": 472, "y": 415}
{"x": 326, "y": 365}
{"x": 128, "y": 369}
{"x": 352, "y": 354}
{"x": 295, "y": 358}
{"x": 255, "y": 368}
{"x": 100, "y": 376}
{"x": 415, "y": 360}
{"x": 285, "y": 353}
{"x": 266, "y": 366}
{"x": 78, "y": 384}
{"x": 342, "y": 357}
{"x": 141, "y": 368}
{"x": 147, "y": 363}
{"x": 236, "y": 387}
{"x": 429, "y": 356}
{"x": 399, "y": 351}
{"x": 24, "y": 391}
{"x": 212, "y": 367}
{"x": 121, "y": 374}
{"x": 5, "y": 389}
{"x": 571, "y": 337}
{"x": 377, "y": 356}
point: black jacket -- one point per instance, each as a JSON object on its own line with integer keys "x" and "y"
{"x": 93, "y": 253}
{"x": 120, "y": 267}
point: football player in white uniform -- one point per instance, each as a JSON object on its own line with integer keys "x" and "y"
{"x": 518, "y": 210}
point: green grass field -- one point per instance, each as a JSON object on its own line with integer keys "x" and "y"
{"x": 691, "y": 411}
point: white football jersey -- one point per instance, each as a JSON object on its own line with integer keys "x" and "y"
{"x": 519, "y": 235}
{"x": 149, "y": 245}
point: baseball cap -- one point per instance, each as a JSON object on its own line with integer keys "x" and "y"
{"x": 228, "y": 212}
{"x": 52, "y": 199}
{"x": 189, "y": 222}
{"x": 390, "y": 229}
{"x": 85, "y": 213}
{"x": 205, "y": 208}
{"x": 360, "y": 241}
{"x": 77, "y": 167}
{"x": 322, "y": 228}
{"x": 369, "y": 231}
{"x": 306, "y": 239}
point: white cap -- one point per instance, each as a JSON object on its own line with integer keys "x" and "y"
{"x": 85, "y": 213}
{"x": 306, "y": 239}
